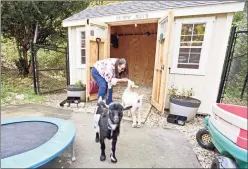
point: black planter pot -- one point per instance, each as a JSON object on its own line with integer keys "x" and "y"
{"x": 76, "y": 88}
{"x": 77, "y": 91}
{"x": 183, "y": 106}
{"x": 193, "y": 103}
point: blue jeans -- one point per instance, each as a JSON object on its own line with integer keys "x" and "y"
{"x": 103, "y": 86}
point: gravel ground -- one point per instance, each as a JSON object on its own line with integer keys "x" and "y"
{"x": 154, "y": 119}
{"x": 190, "y": 129}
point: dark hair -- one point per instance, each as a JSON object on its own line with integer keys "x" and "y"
{"x": 123, "y": 74}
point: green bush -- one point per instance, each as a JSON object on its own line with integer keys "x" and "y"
{"x": 9, "y": 50}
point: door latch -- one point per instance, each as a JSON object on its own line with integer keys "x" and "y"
{"x": 162, "y": 67}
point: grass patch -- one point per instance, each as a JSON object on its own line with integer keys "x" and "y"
{"x": 50, "y": 81}
{"x": 12, "y": 85}
{"x": 232, "y": 95}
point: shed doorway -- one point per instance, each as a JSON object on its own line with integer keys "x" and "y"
{"x": 137, "y": 44}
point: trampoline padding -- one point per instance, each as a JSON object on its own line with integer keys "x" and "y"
{"x": 20, "y": 137}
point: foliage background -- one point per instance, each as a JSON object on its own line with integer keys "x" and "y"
{"x": 13, "y": 84}
{"x": 239, "y": 64}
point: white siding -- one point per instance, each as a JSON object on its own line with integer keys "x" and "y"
{"x": 79, "y": 72}
{"x": 75, "y": 72}
{"x": 206, "y": 86}
{"x": 99, "y": 31}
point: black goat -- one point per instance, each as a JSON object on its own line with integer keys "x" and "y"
{"x": 107, "y": 125}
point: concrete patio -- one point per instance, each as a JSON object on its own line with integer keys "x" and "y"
{"x": 143, "y": 147}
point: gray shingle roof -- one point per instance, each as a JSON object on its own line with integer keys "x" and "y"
{"x": 136, "y": 6}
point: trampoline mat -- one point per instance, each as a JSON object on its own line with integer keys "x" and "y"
{"x": 17, "y": 138}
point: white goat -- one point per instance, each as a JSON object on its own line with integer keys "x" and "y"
{"x": 131, "y": 98}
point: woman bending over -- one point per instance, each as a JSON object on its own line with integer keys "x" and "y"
{"x": 107, "y": 73}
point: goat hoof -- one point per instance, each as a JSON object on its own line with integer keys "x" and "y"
{"x": 102, "y": 158}
{"x": 113, "y": 159}
{"x": 138, "y": 125}
{"x": 134, "y": 125}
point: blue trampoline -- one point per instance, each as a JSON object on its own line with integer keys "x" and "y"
{"x": 34, "y": 141}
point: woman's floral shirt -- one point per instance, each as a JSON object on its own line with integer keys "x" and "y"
{"x": 106, "y": 69}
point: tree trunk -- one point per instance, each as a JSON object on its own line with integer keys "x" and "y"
{"x": 26, "y": 64}
{"x": 18, "y": 48}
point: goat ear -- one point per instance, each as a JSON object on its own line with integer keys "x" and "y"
{"x": 102, "y": 105}
{"x": 99, "y": 104}
{"x": 128, "y": 107}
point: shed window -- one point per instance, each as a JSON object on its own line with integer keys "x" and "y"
{"x": 191, "y": 45}
{"x": 192, "y": 36}
{"x": 82, "y": 40}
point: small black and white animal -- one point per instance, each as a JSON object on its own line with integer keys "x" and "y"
{"x": 107, "y": 119}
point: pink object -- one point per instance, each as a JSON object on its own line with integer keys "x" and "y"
{"x": 231, "y": 121}
{"x": 240, "y": 111}
{"x": 93, "y": 87}
{"x": 242, "y": 139}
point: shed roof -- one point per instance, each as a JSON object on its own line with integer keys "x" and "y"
{"x": 135, "y": 7}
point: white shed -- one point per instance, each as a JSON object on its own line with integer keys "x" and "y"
{"x": 165, "y": 42}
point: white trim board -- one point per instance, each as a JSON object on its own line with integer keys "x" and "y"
{"x": 178, "y": 12}
{"x": 69, "y": 52}
{"x": 78, "y": 47}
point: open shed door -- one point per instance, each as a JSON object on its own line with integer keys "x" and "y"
{"x": 95, "y": 30}
{"x": 161, "y": 61}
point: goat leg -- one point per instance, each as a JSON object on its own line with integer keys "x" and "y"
{"x": 112, "y": 156}
{"x": 139, "y": 117}
{"x": 134, "y": 118}
{"x": 97, "y": 137}
{"x": 103, "y": 156}
{"x": 96, "y": 125}
{"x": 129, "y": 113}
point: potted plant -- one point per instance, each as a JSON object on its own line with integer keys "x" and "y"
{"x": 182, "y": 103}
{"x": 77, "y": 90}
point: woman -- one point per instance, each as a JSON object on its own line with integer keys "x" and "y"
{"x": 107, "y": 73}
